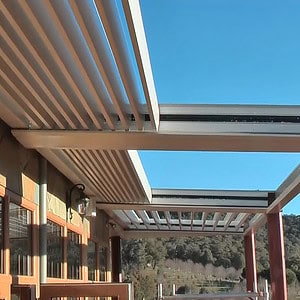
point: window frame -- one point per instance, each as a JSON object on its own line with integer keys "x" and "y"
{"x": 30, "y": 265}
{"x": 62, "y": 237}
{"x": 80, "y": 236}
{"x": 103, "y": 273}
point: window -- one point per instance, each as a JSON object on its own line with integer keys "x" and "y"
{"x": 54, "y": 250}
{"x": 20, "y": 240}
{"x": 103, "y": 263}
{"x": 91, "y": 260}
{"x": 1, "y": 238}
{"x": 73, "y": 255}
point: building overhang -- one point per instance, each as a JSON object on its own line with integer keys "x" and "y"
{"x": 88, "y": 114}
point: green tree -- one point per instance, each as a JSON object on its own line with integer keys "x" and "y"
{"x": 207, "y": 257}
{"x": 290, "y": 277}
{"x": 155, "y": 252}
{"x": 238, "y": 260}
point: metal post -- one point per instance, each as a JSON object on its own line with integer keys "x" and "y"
{"x": 266, "y": 290}
{"x": 43, "y": 220}
{"x": 173, "y": 289}
{"x": 116, "y": 259}
{"x": 276, "y": 256}
{"x": 250, "y": 259}
{"x": 255, "y": 290}
{"x": 160, "y": 291}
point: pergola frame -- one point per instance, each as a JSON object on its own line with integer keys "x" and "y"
{"x": 246, "y": 128}
{"x": 87, "y": 114}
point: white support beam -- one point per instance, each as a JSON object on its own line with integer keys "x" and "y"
{"x": 136, "y": 234}
{"x": 287, "y": 191}
{"x": 201, "y": 193}
{"x": 229, "y": 109}
{"x": 256, "y": 222}
{"x": 202, "y": 136}
{"x": 182, "y": 208}
{"x": 199, "y": 201}
{"x": 211, "y": 200}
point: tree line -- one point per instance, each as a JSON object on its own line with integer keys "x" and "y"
{"x": 218, "y": 251}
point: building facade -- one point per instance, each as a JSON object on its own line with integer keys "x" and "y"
{"x": 77, "y": 248}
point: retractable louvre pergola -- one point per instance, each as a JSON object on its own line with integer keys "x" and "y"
{"x": 71, "y": 90}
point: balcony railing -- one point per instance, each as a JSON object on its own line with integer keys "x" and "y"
{"x": 121, "y": 291}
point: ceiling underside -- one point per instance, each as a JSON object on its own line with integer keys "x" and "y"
{"x": 66, "y": 65}
{"x": 77, "y": 86}
{"x": 190, "y": 212}
{"x": 179, "y": 212}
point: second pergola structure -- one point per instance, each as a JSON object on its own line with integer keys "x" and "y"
{"x": 209, "y": 212}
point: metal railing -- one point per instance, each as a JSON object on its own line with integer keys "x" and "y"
{"x": 248, "y": 295}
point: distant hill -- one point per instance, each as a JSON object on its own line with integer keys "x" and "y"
{"x": 225, "y": 252}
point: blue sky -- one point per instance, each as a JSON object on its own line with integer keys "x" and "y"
{"x": 216, "y": 51}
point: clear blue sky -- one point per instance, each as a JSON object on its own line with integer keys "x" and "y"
{"x": 216, "y": 51}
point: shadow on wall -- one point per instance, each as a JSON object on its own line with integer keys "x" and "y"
{"x": 19, "y": 169}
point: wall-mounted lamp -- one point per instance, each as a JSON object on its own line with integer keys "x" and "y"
{"x": 81, "y": 202}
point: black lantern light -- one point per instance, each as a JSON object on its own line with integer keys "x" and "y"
{"x": 81, "y": 202}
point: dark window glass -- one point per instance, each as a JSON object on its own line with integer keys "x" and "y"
{"x": 91, "y": 260}
{"x": 1, "y": 238}
{"x": 103, "y": 263}
{"x": 73, "y": 255}
{"x": 20, "y": 240}
{"x": 54, "y": 250}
